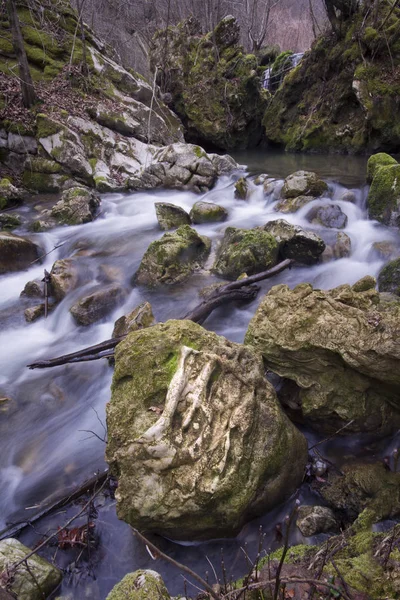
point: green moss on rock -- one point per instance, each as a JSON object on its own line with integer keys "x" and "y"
{"x": 140, "y": 585}
{"x": 376, "y": 161}
{"x": 384, "y": 195}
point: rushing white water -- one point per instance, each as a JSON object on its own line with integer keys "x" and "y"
{"x": 46, "y": 444}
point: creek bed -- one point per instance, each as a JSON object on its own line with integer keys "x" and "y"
{"x": 46, "y": 444}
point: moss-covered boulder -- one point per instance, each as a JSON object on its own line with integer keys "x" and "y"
{"x": 34, "y": 580}
{"x": 9, "y": 221}
{"x": 294, "y": 242}
{"x": 9, "y": 194}
{"x": 196, "y": 436}
{"x": 207, "y": 212}
{"x": 140, "y": 585}
{"x": 329, "y": 215}
{"x": 139, "y": 318}
{"x": 173, "y": 258}
{"x": 98, "y": 304}
{"x": 312, "y": 520}
{"x": 242, "y": 189}
{"x": 389, "y": 277}
{"x": 247, "y": 251}
{"x": 77, "y": 205}
{"x": 376, "y": 161}
{"x": 16, "y": 252}
{"x": 384, "y": 195}
{"x": 215, "y": 87}
{"x": 340, "y": 348}
{"x": 170, "y": 216}
{"x": 303, "y": 183}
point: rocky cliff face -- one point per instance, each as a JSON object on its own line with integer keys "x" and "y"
{"x": 344, "y": 95}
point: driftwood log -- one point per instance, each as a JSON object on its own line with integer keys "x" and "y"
{"x": 243, "y": 290}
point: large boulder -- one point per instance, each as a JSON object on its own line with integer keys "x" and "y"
{"x": 294, "y": 242}
{"x": 384, "y": 195}
{"x": 173, "y": 258}
{"x": 247, "y": 251}
{"x": 207, "y": 212}
{"x": 329, "y": 215}
{"x": 98, "y": 304}
{"x": 9, "y": 194}
{"x": 140, "y": 585}
{"x": 303, "y": 183}
{"x": 63, "y": 277}
{"x": 376, "y": 161}
{"x": 34, "y": 579}
{"x": 196, "y": 435}
{"x": 77, "y": 205}
{"x": 389, "y": 277}
{"x": 16, "y": 253}
{"x": 340, "y": 347}
{"x": 170, "y": 216}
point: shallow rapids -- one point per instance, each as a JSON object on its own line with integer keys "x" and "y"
{"x": 50, "y": 437}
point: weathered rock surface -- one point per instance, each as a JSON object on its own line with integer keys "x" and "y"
{"x": 329, "y": 215}
{"x": 139, "y": 318}
{"x": 33, "y": 313}
{"x": 98, "y": 304}
{"x": 342, "y": 245}
{"x": 140, "y": 585}
{"x": 303, "y": 183}
{"x": 341, "y": 349}
{"x": 173, "y": 258}
{"x": 33, "y": 289}
{"x": 9, "y": 221}
{"x": 32, "y": 582}
{"x": 191, "y": 418}
{"x": 294, "y": 242}
{"x": 291, "y": 205}
{"x": 16, "y": 253}
{"x": 384, "y": 195}
{"x": 9, "y": 194}
{"x": 77, "y": 205}
{"x": 63, "y": 277}
{"x": 207, "y": 212}
{"x": 247, "y": 251}
{"x": 170, "y": 216}
{"x": 241, "y": 189}
{"x": 312, "y": 520}
{"x": 389, "y": 277}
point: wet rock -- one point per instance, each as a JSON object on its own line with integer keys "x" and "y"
{"x": 385, "y": 250}
{"x": 291, "y": 205}
{"x": 247, "y": 251}
{"x": 141, "y": 317}
{"x": 9, "y": 194}
{"x": 208, "y": 212}
{"x": 33, "y": 582}
{"x": 384, "y": 195}
{"x": 209, "y": 439}
{"x": 294, "y": 242}
{"x": 340, "y": 348}
{"x": 9, "y": 221}
{"x": 376, "y": 161}
{"x": 77, "y": 205}
{"x": 173, "y": 258}
{"x": 64, "y": 278}
{"x": 303, "y": 183}
{"x": 241, "y": 189}
{"x": 389, "y": 277}
{"x": 364, "y": 284}
{"x": 330, "y": 215}
{"x": 349, "y": 196}
{"x": 362, "y": 486}
{"x": 35, "y": 312}
{"x": 312, "y": 520}
{"x": 97, "y": 305}
{"x": 33, "y": 289}
{"x": 140, "y": 585}
{"x": 227, "y": 32}
{"x": 16, "y": 253}
{"x": 342, "y": 245}
{"x": 170, "y": 216}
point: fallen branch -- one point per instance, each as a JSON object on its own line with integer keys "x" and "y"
{"x": 242, "y": 290}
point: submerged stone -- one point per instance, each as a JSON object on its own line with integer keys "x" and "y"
{"x": 196, "y": 434}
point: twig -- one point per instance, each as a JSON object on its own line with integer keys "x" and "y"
{"x": 46, "y": 280}
{"x": 47, "y": 253}
{"x": 289, "y": 521}
{"x": 332, "y": 436}
{"x": 176, "y": 564}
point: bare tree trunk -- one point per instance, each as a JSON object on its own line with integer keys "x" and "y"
{"x": 85, "y": 67}
{"x": 29, "y": 97}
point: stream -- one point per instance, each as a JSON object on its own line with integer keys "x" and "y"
{"x": 47, "y": 435}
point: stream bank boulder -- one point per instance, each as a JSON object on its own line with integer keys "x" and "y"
{"x": 341, "y": 349}
{"x": 247, "y": 251}
{"x": 294, "y": 242}
{"x": 196, "y": 435}
{"x": 303, "y": 183}
{"x": 34, "y": 581}
{"x": 173, "y": 258}
{"x": 16, "y": 252}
